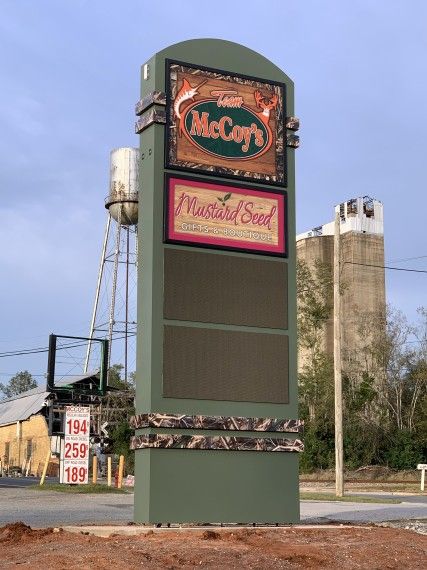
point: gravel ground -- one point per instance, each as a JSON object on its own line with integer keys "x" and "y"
{"x": 419, "y": 526}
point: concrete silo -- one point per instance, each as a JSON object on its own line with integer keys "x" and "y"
{"x": 363, "y": 300}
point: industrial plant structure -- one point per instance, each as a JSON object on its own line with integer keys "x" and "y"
{"x": 363, "y": 301}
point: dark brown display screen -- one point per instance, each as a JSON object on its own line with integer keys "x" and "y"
{"x": 212, "y": 364}
{"x": 226, "y": 289}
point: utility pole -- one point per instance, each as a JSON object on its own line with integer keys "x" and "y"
{"x": 339, "y": 459}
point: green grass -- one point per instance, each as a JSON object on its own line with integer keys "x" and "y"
{"x": 307, "y": 496}
{"x": 90, "y": 488}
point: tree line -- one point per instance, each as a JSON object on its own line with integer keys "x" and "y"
{"x": 384, "y": 381}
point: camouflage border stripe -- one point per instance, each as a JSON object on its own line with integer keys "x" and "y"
{"x": 174, "y": 441}
{"x": 181, "y": 421}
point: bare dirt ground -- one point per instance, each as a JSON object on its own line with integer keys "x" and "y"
{"x": 330, "y": 548}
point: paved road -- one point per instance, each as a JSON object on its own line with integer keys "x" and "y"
{"x": 319, "y": 511}
{"x": 399, "y": 497}
{"x": 48, "y": 508}
{"x": 22, "y": 481}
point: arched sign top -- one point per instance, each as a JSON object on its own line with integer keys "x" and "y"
{"x": 231, "y": 55}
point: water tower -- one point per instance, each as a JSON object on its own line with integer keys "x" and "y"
{"x": 114, "y": 310}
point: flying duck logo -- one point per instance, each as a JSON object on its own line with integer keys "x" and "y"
{"x": 223, "y": 125}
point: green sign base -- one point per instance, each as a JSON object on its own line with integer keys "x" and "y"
{"x": 207, "y": 486}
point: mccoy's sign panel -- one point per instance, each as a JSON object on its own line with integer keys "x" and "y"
{"x": 225, "y": 124}
{"x": 225, "y": 216}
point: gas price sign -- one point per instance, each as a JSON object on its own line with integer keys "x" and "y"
{"x": 75, "y": 457}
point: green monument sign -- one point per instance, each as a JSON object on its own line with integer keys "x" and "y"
{"x": 217, "y": 433}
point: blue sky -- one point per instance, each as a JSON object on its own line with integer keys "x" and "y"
{"x": 69, "y": 79}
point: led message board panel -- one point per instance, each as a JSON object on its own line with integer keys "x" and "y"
{"x": 204, "y": 287}
{"x": 225, "y": 365}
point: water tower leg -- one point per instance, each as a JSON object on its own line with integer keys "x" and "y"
{"x": 127, "y": 304}
{"x": 114, "y": 287}
{"x": 136, "y": 247}
{"x": 98, "y": 288}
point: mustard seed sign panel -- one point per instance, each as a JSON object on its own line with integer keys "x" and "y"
{"x": 225, "y": 216}
{"x": 225, "y": 124}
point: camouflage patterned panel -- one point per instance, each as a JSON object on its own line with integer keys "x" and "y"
{"x": 148, "y": 118}
{"x": 292, "y": 123}
{"x": 174, "y": 441}
{"x": 153, "y": 98}
{"x": 178, "y": 421}
{"x": 292, "y": 141}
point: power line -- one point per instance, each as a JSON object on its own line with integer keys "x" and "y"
{"x": 387, "y": 267}
{"x": 15, "y": 373}
{"x": 39, "y": 350}
{"x": 34, "y": 350}
{"x": 408, "y": 259}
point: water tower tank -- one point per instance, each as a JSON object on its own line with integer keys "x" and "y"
{"x": 122, "y": 201}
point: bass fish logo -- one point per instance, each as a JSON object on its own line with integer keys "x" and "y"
{"x": 223, "y": 125}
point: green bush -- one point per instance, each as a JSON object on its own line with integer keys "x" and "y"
{"x": 318, "y": 448}
{"x": 121, "y": 441}
{"x": 403, "y": 450}
{"x": 361, "y": 442}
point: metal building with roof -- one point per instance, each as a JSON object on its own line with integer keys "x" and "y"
{"x": 24, "y": 429}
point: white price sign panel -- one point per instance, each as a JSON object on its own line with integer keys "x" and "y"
{"x": 75, "y": 457}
